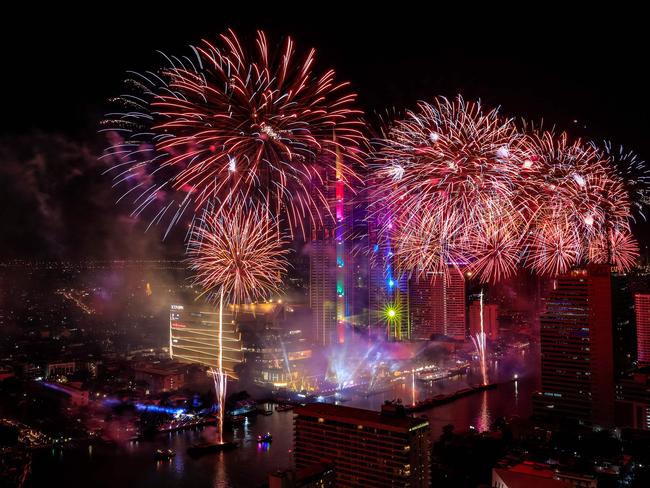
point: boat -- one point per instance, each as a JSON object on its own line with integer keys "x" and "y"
{"x": 265, "y": 437}
{"x": 209, "y": 447}
{"x": 163, "y": 454}
{"x": 267, "y": 412}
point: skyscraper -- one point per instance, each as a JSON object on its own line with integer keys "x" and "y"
{"x": 490, "y": 319}
{"x": 388, "y": 291}
{"x": 366, "y": 448}
{"x": 194, "y": 338}
{"x": 642, "y": 311}
{"x": 322, "y": 289}
{"x": 437, "y": 305}
{"x": 576, "y": 349}
{"x": 624, "y": 325}
{"x": 427, "y": 306}
{"x": 330, "y": 268}
{"x": 455, "y": 304}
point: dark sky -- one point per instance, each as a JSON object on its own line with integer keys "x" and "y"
{"x": 59, "y": 67}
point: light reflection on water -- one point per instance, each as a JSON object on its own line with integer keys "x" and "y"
{"x": 132, "y": 464}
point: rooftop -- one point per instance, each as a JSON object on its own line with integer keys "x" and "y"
{"x": 358, "y": 416}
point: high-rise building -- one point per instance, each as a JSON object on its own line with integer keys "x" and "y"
{"x": 624, "y": 325}
{"x": 331, "y": 269}
{"x": 388, "y": 291}
{"x": 194, "y": 337}
{"x": 366, "y": 448}
{"x": 276, "y": 351}
{"x": 455, "y": 304}
{"x": 633, "y": 401}
{"x": 576, "y": 349}
{"x": 427, "y": 306}
{"x": 642, "y": 311}
{"x": 490, "y": 319}
{"x": 322, "y": 289}
{"x": 437, "y": 305}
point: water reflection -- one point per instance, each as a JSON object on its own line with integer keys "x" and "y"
{"x": 484, "y": 419}
{"x": 131, "y": 464}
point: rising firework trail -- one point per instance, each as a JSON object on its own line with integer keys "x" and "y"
{"x": 235, "y": 123}
{"x": 237, "y": 257}
{"x": 480, "y": 344}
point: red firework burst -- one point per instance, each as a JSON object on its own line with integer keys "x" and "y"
{"x": 231, "y": 124}
{"x": 620, "y": 249}
{"x": 454, "y": 162}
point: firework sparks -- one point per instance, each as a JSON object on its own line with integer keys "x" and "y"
{"x": 480, "y": 343}
{"x": 239, "y": 257}
{"x": 230, "y": 124}
{"x": 633, "y": 172}
{"x": 240, "y": 254}
{"x": 464, "y": 187}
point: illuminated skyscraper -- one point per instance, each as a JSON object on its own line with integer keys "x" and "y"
{"x": 642, "y": 310}
{"x": 577, "y": 373}
{"x": 437, "y": 305}
{"x": 194, "y": 338}
{"x": 335, "y": 273}
{"x": 455, "y": 304}
{"x": 427, "y": 307}
{"x": 388, "y": 291}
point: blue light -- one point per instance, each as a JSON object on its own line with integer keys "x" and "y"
{"x": 159, "y": 409}
{"x": 391, "y": 283}
{"x": 375, "y": 248}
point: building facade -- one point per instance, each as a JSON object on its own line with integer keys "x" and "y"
{"x": 366, "y": 448}
{"x": 642, "y": 312}
{"x": 437, "y": 305}
{"x": 577, "y": 373}
{"x": 633, "y": 401}
{"x": 194, "y": 337}
{"x": 490, "y": 319}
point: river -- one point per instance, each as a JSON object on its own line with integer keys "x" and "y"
{"x": 132, "y": 464}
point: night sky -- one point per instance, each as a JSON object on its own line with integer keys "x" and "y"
{"x": 59, "y": 70}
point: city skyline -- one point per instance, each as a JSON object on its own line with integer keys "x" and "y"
{"x": 273, "y": 247}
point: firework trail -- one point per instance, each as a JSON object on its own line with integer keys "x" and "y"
{"x": 237, "y": 256}
{"x": 230, "y": 124}
{"x": 480, "y": 344}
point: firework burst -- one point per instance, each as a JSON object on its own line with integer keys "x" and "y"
{"x": 619, "y": 249}
{"x": 444, "y": 171}
{"x": 239, "y": 254}
{"x": 464, "y": 187}
{"x": 634, "y": 173}
{"x": 231, "y": 125}
{"x": 582, "y": 209}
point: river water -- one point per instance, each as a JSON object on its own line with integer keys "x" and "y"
{"x": 132, "y": 464}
